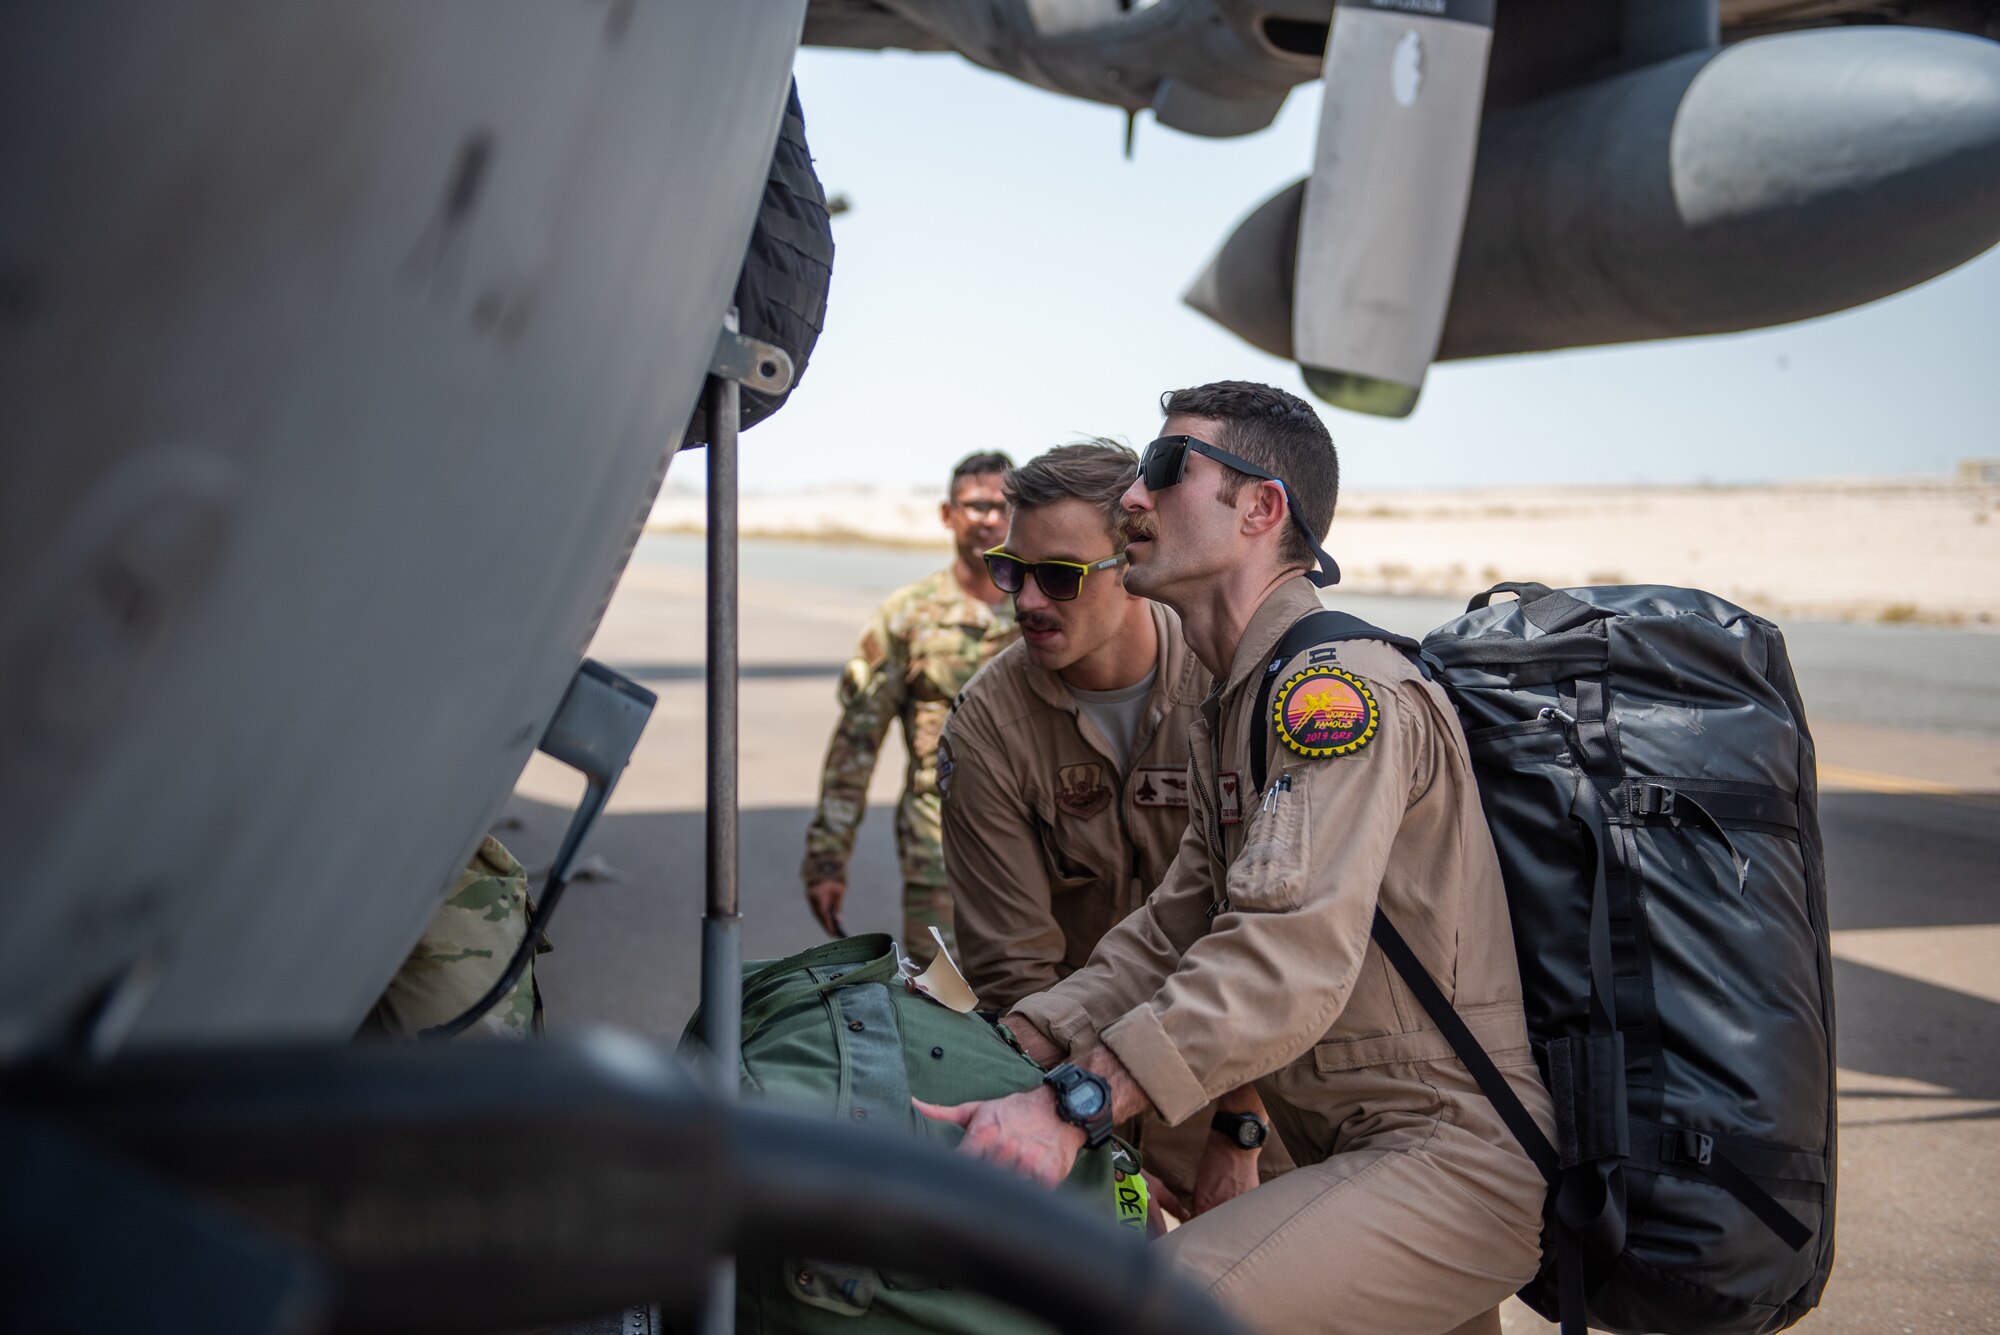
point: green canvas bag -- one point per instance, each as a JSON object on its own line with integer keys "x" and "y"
{"x": 835, "y": 1032}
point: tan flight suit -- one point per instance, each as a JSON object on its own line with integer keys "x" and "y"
{"x": 1414, "y": 1211}
{"x": 1046, "y": 843}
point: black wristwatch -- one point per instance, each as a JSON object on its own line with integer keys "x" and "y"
{"x": 1246, "y": 1131}
{"x": 1082, "y": 1099}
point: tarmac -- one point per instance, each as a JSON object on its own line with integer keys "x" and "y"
{"x": 1907, "y": 721}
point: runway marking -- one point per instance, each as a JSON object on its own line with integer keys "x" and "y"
{"x": 1844, "y": 778}
{"x": 1872, "y": 782}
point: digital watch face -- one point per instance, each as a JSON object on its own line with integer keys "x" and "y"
{"x": 1086, "y": 1099}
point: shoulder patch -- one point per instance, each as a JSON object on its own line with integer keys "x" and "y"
{"x": 1324, "y": 711}
{"x": 945, "y": 765}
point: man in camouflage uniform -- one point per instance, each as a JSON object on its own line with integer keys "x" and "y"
{"x": 461, "y": 954}
{"x": 921, "y": 646}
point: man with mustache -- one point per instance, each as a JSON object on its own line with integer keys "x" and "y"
{"x": 1414, "y": 1211}
{"x": 921, "y": 646}
{"x": 1064, "y": 776}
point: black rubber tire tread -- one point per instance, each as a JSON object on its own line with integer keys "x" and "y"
{"x": 781, "y": 291}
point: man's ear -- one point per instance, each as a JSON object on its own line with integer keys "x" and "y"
{"x": 944, "y": 513}
{"x": 1266, "y": 511}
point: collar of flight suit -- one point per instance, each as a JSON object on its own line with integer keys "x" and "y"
{"x": 1268, "y": 624}
{"x": 1182, "y": 680}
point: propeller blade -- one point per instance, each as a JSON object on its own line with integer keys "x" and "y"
{"x": 1385, "y": 205}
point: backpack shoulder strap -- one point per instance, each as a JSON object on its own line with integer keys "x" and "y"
{"x": 1325, "y": 626}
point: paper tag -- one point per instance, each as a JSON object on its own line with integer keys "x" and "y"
{"x": 943, "y": 983}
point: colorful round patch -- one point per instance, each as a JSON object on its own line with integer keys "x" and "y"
{"x": 1324, "y": 711}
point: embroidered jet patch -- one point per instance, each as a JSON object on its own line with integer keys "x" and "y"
{"x": 1160, "y": 786}
{"x": 1324, "y": 711}
{"x": 1081, "y": 790}
{"x": 1229, "y": 789}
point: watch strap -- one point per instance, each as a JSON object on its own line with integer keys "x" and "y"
{"x": 1067, "y": 1076}
{"x": 1236, "y": 1128}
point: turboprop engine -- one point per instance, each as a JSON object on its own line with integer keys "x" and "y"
{"x": 1725, "y": 189}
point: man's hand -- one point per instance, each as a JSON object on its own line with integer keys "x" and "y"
{"x": 824, "y": 899}
{"x": 1164, "y": 1202}
{"x": 1021, "y": 1132}
{"x": 1042, "y": 1052}
{"x": 1226, "y": 1171}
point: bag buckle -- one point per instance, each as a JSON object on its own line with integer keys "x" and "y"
{"x": 1695, "y": 1146}
{"x": 1653, "y": 799}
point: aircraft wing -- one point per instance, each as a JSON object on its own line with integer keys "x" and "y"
{"x": 865, "y": 25}
{"x": 1534, "y": 174}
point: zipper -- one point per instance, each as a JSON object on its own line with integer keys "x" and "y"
{"x": 1211, "y": 804}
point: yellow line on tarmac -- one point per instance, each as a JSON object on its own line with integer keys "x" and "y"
{"x": 1870, "y": 781}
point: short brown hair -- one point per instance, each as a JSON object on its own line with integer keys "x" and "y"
{"x": 1097, "y": 470}
{"x": 1282, "y": 434}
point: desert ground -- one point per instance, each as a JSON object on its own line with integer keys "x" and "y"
{"x": 1923, "y": 549}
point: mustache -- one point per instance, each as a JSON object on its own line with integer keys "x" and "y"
{"x": 1132, "y": 528}
{"x": 1039, "y": 621}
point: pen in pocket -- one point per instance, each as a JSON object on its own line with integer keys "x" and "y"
{"x": 1283, "y": 784}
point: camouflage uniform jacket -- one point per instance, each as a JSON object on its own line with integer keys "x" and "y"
{"x": 922, "y": 645}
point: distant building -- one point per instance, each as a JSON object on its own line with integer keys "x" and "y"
{"x": 1979, "y": 472}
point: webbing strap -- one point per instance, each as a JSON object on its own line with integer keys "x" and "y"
{"x": 1517, "y": 1118}
{"x": 1569, "y": 1245}
{"x": 1491, "y": 1082}
{"x": 1757, "y": 1201}
{"x": 1548, "y": 610}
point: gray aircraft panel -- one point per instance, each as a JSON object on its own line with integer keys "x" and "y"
{"x": 342, "y": 348}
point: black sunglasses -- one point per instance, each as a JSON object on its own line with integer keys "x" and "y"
{"x": 1060, "y": 581}
{"x": 1164, "y": 464}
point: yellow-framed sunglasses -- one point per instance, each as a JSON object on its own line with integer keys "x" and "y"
{"x": 1059, "y": 581}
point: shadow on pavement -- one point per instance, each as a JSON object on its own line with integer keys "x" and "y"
{"x": 628, "y": 950}
{"x": 1891, "y": 1025}
{"x": 1907, "y": 860}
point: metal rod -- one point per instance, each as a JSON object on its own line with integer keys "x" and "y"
{"x": 721, "y": 923}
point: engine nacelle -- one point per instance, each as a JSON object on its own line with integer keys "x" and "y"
{"x": 1775, "y": 180}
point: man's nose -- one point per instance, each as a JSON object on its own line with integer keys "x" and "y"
{"x": 1136, "y": 497}
{"x": 1030, "y": 598}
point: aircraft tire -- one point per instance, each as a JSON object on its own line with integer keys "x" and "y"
{"x": 781, "y": 292}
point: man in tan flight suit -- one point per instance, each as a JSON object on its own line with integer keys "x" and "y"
{"x": 1063, "y": 771}
{"x": 1414, "y": 1211}
{"x": 917, "y": 651}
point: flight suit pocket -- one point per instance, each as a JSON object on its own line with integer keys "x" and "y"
{"x": 1269, "y": 875}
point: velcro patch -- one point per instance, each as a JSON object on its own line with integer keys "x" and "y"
{"x": 1160, "y": 786}
{"x": 1325, "y": 711}
{"x": 1230, "y": 789}
{"x": 1081, "y": 791}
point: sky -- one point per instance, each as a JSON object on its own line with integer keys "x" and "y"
{"x": 1005, "y": 279}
